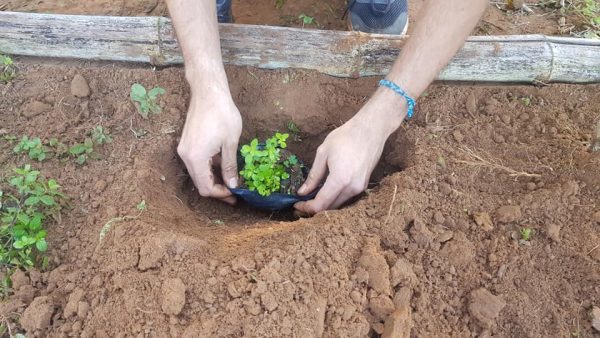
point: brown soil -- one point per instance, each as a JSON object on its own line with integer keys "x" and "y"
{"x": 434, "y": 245}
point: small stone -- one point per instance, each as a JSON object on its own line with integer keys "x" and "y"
{"x": 596, "y": 217}
{"x": 173, "y": 296}
{"x": 79, "y": 86}
{"x": 82, "y": 309}
{"x": 485, "y": 307}
{"x": 508, "y": 214}
{"x": 268, "y": 301}
{"x": 438, "y": 217}
{"x": 38, "y": 314}
{"x": 471, "y": 104}
{"x": 458, "y": 136}
{"x": 553, "y": 231}
{"x": 484, "y": 221}
{"x": 403, "y": 297}
{"x": 73, "y": 303}
{"x": 402, "y": 273}
{"x": 100, "y": 186}
{"x": 19, "y": 279}
{"x": 398, "y": 324}
{"x": 381, "y": 307}
{"x": 596, "y": 318}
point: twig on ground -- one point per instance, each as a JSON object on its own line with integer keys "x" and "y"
{"x": 594, "y": 248}
{"x": 479, "y": 161}
{"x": 391, "y": 205}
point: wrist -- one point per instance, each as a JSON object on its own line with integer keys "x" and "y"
{"x": 385, "y": 111}
{"x": 206, "y": 77}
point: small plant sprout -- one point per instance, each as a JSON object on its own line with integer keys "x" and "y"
{"x": 27, "y": 202}
{"x": 146, "y": 100}
{"x": 82, "y": 151}
{"x": 263, "y": 170}
{"x": 33, "y": 147}
{"x": 100, "y": 135}
{"x": 526, "y": 233}
{"x": 306, "y": 19}
{"x": 7, "y": 69}
{"x": 279, "y": 4}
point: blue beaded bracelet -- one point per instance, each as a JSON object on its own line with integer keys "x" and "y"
{"x": 399, "y": 91}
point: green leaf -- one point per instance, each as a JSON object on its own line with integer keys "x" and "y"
{"x": 32, "y": 200}
{"x": 23, "y": 218}
{"x": 36, "y": 222}
{"x": 41, "y": 245}
{"x": 138, "y": 92}
{"x": 81, "y": 159}
{"x": 47, "y": 200}
{"x": 19, "y": 244}
{"x": 154, "y": 92}
{"x": 77, "y": 149}
{"x": 142, "y": 205}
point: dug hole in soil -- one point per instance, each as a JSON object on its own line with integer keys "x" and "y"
{"x": 433, "y": 249}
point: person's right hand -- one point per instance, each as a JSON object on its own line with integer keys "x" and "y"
{"x": 213, "y": 126}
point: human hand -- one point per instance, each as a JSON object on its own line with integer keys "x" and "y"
{"x": 351, "y": 152}
{"x": 213, "y": 126}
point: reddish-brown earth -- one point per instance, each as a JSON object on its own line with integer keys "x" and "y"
{"x": 431, "y": 250}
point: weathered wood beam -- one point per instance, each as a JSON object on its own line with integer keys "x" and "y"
{"x": 528, "y": 58}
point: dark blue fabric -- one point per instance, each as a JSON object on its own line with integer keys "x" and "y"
{"x": 273, "y": 202}
{"x": 224, "y": 11}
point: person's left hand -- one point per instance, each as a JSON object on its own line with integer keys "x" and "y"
{"x": 350, "y": 153}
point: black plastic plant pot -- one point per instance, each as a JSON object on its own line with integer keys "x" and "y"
{"x": 273, "y": 202}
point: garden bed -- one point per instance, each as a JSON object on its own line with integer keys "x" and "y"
{"x": 470, "y": 150}
{"x": 438, "y": 237}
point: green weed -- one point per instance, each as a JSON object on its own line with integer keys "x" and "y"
{"x": 141, "y": 207}
{"x": 146, "y": 101}
{"x": 7, "y": 69}
{"x": 589, "y": 13}
{"x": 101, "y": 135}
{"x": 526, "y": 233}
{"x": 307, "y": 20}
{"x": 82, "y": 151}
{"x": 263, "y": 171}
{"x": 26, "y": 204}
{"x": 279, "y": 4}
{"x": 32, "y": 147}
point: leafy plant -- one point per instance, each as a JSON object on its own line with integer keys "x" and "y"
{"x": 82, "y": 151}
{"x": 7, "y": 69}
{"x": 24, "y": 207}
{"x": 589, "y": 12}
{"x": 146, "y": 100}
{"x": 263, "y": 170}
{"x": 100, "y": 135}
{"x": 526, "y": 234}
{"x": 306, "y": 19}
{"x": 33, "y": 147}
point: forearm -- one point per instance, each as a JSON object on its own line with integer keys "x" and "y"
{"x": 442, "y": 29}
{"x": 197, "y": 30}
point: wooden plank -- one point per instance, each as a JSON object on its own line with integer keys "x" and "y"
{"x": 528, "y": 58}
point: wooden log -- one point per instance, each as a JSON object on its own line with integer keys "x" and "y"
{"x": 526, "y": 58}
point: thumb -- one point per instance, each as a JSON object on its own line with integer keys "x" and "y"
{"x": 316, "y": 174}
{"x": 229, "y": 164}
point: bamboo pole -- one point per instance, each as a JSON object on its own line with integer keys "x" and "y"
{"x": 518, "y": 58}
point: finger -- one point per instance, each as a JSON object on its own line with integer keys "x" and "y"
{"x": 324, "y": 199}
{"x": 316, "y": 174}
{"x": 346, "y": 195}
{"x": 229, "y": 164}
{"x": 230, "y": 200}
{"x": 204, "y": 179}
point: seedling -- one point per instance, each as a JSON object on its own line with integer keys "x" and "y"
{"x": 101, "y": 135}
{"x": 279, "y": 4}
{"x": 294, "y": 130}
{"x": 25, "y": 205}
{"x": 33, "y": 147}
{"x": 589, "y": 12}
{"x": 82, "y": 151}
{"x": 306, "y": 19}
{"x": 146, "y": 101}
{"x": 263, "y": 170}
{"x": 7, "y": 69}
{"x": 526, "y": 233}
{"x": 141, "y": 207}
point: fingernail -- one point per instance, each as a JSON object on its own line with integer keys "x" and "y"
{"x": 302, "y": 190}
{"x": 233, "y": 182}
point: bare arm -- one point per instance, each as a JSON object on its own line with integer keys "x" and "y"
{"x": 213, "y": 125}
{"x": 351, "y": 152}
